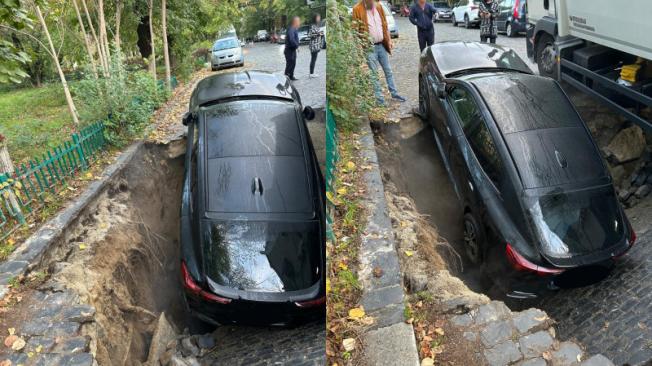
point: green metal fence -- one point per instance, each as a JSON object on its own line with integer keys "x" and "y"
{"x": 24, "y": 191}
{"x": 331, "y": 166}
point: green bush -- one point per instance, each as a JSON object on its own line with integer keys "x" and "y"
{"x": 348, "y": 85}
{"x": 125, "y": 101}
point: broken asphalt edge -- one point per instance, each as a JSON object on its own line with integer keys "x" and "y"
{"x": 30, "y": 253}
{"x": 390, "y": 340}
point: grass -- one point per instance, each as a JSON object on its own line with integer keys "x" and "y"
{"x": 34, "y": 120}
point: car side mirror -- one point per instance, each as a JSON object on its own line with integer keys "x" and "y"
{"x": 441, "y": 90}
{"x": 308, "y": 113}
{"x": 186, "y": 119}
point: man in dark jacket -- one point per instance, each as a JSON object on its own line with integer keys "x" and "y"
{"x": 421, "y": 14}
{"x": 291, "y": 45}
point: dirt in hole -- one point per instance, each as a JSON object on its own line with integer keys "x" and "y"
{"x": 123, "y": 257}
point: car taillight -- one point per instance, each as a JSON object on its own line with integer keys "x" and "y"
{"x": 517, "y": 4}
{"x": 191, "y": 286}
{"x": 520, "y": 263}
{"x": 311, "y": 303}
{"x": 632, "y": 237}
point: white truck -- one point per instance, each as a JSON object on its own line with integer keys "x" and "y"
{"x": 601, "y": 47}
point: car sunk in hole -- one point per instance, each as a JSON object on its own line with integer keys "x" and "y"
{"x": 523, "y": 164}
{"x": 252, "y": 215}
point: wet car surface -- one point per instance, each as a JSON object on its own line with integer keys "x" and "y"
{"x": 529, "y": 176}
{"x": 253, "y": 232}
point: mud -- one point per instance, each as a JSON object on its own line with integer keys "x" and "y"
{"x": 122, "y": 257}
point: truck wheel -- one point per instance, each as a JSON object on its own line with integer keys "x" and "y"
{"x": 546, "y": 57}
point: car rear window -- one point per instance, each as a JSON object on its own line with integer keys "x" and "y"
{"x": 522, "y": 102}
{"x": 252, "y": 128}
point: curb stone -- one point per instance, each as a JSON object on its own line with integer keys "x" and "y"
{"x": 29, "y": 254}
{"x": 389, "y": 341}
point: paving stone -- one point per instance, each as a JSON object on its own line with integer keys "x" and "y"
{"x": 597, "y": 360}
{"x": 568, "y": 354}
{"x": 493, "y": 311}
{"x": 46, "y": 344}
{"x": 13, "y": 268}
{"x": 535, "y": 344}
{"x": 45, "y": 327}
{"x": 15, "y": 358}
{"x": 503, "y": 354}
{"x": 470, "y": 336}
{"x": 79, "y": 359}
{"x": 79, "y": 313}
{"x": 382, "y": 297}
{"x": 533, "y": 362}
{"x": 463, "y": 320}
{"x": 531, "y": 320}
{"x": 206, "y": 341}
{"x": 72, "y": 345}
{"x": 496, "y": 332}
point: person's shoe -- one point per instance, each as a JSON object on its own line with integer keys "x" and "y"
{"x": 293, "y": 78}
{"x": 312, "y": 76}
{"x": 399, "y": 98}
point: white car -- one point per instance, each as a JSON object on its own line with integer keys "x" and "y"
{"x": 391, "y": 22}
{"x": 466, "y": 12}
{"x": 226, "y": 52}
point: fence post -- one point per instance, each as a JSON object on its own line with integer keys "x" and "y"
{"x": 80, "y": 150}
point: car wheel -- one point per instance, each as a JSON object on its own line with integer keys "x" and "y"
{"x": 454, "y": 21}
{"x": 546, "y": 57}
{"x": 213, "y": 68}
{"x": 508, "y": 30}
{"x": 424, "y": 106}
{"x": 467, "y": 22}
{"x": 474, "y": 239}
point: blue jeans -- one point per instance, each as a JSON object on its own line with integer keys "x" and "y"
{"x": 379, "y": 55}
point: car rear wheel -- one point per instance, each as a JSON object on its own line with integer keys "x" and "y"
{"x": 424, "y": 105}
{"x": 509, "y": 32}
{"x": 474, "y": 238}
{"x": 546, "y": 56}
{"x": 467, "y": 22}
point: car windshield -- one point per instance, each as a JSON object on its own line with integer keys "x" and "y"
{"x": 225, "y": 44}
{"x": 440, "y": 5}
{"x": 576, "y": 223}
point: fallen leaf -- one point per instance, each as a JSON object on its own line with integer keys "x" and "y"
{"x": 39, "y": 348}
{"x": 5, "y": 363}
{"x": 378, "y": 272}
{"x": 367, "y": 320}
{"x": 427, "y": 362}
{"x": 349, "y": 344}
{"x": 541, "y": 318}
{"x": 409, "y": 253}
{"x": 439, "y": 331}
{"x": 11, "y": 331}
{"x": 342, "y": 191}
{"x": 356, "y": 313}
{"x": 9, "y": 341}
{"x": 328, "y": 286}
{"x": 410, "y": 320}
{"x": 82, "y": 246}
{"x": 579, "y": 358}
{"x": 18, "y": 344}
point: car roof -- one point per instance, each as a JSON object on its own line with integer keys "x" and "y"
{"x": 476, "y": 55}
{"x": 240, "y": 84}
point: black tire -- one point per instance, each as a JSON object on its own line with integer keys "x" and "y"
{"x": 424, "y": 99}
{"x": 467, "y": 21}
{"x": 509, "y": 32}
{"x": 546, "y": 57}
{"x": 454, "y": 21}
{"x": 213, "y": 68}
{"x": 474, "y": 239}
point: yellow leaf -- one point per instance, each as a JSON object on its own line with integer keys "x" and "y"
{"x": 89, "y": 175}
{"x": 11, "y": 241}
{"x": 409, "y": 253}
{"x": 328, "y": 285}
{"x": 18, "y": 344}
{"x": 427, "y": 362}
{"x": 343, "y": 266}
{"x": 39, "y": 348}
{"x": 356, "y": 313}
{"x": 439, "y": 331}
{"x": 18, "y": 185}
{"x": 82, "y": 246}
{"x": 342, "y": 191}
{"x": 350, "y": 165}
{"x": 329, "y": 195}
{"x": 30, "y": 354}
{"x": 349, "y": 344}
{"x": 12, "y": 331}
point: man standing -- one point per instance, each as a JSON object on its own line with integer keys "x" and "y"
{"x": 372, "y": 24}
{"x": 291, "y": 45}
{"x": 421, "y": 14}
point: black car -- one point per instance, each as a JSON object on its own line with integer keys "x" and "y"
{"x": 443, "y": 12}
{"x": 512, "y": 18}
{"x": 523, "y": 163}
{"x": 252, "y": 215}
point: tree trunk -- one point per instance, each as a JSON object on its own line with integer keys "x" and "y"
{"x": 100, "y": 49}
{"x": 118, "y": 16}
{"x": 86, "y": 40}
{"x": 152, "y": 57}
{"x": 55, "y": 59}
{"x": 103, "y": 36}
{"x": 7, "y": 167}
{"x": 166, "y": 53}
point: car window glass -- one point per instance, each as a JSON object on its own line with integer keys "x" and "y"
{"x": 484, "y": 148}
{"x": 465, "y": 107}
{"x": 252, "y": 128}
{"x": 225, "y": 44}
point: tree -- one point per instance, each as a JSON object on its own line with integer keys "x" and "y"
{"x": 152, "y": 57}
{"x": 98, "y": 44}
{"x": 166, "y": 53}
{"x": 55, "y": 58}
{"x": 12, "y": 59}
{"x": 86, "y": 40}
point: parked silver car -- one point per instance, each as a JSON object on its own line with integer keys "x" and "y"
{"x": 391, "y": 22}
{"x": 227, "y": 52}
